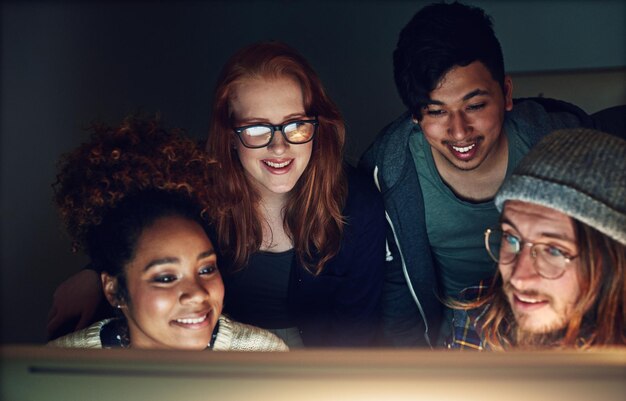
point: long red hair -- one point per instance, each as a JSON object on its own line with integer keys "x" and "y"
{"x": 313, "y": 215}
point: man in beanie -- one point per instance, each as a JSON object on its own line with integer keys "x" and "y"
{"x": 560, "y": 248}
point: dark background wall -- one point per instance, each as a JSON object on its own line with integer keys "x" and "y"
{"x": 65, "y": 64}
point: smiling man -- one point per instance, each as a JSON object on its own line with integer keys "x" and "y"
{"x": 560, "y": 248}
{"x": 440, "y": 164}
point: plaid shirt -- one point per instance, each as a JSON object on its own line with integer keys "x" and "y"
{"x": 465, "y": 333}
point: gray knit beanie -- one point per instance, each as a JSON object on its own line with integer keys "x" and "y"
{"x": 579, "y": 172}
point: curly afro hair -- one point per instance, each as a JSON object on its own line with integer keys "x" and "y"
{"x": 139, "y": 155}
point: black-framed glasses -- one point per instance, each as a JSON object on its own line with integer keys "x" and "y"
{"x": 261, "y": 135}
{"x": 549, "y": 261}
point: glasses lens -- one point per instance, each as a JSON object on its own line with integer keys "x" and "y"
{"x": 502, "y": 247}
{"x": 551, "y": 261}
{"x": 509, "y": 247}
{"x": 257, "y": 135}
{"x": 299, "y": 131}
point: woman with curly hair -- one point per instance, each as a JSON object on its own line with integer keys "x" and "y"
{"x": 303, "y": 235}
{"x": 136, "y": 199}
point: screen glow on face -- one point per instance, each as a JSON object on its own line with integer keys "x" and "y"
{"x": 174, "y": 286}
{"x": 274, "y": 169}
{"x": 539, "y": 304}
{"x": 260, "y": 135}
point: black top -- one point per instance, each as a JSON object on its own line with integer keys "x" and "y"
{"x": 341, "y": 305}
{"x": 257, "y": 294}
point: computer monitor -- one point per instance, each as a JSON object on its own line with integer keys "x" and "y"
{"x": 43, "y": 373}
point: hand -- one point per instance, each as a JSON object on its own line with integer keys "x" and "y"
{"x": 75, "y": 303}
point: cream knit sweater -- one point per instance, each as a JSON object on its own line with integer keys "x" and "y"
{"x": 231, "y": 336}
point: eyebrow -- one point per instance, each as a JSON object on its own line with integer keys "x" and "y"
{"x": 161, "y": 261}
{"x": 173, "y": 260}
{"x": 254, "y": 120}
{"x": 206, "y": 254}
{"x": 468, "y": 96}
{"x": 543, "y": 234}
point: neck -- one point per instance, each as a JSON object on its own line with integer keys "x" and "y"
{"x": 273, "y": 203}
{"x": 272, "y": 213}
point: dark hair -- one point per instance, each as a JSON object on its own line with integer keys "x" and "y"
{"x": 313, "y": 216}
{"x": 104, "y": 185}
{"x": 118, "y": 161}
{"x": 112, "y": 243}
{"x": 438, "y": 38}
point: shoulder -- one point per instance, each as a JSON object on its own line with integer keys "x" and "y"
{"x": 465, "y": 334}
{"x": 85, "y": 338}
{"x": 536, "y": 117}
{"x": 389, "y": 147}
{"x": 364, "y": 201}
{"x": 360, "y": 185}
{"x": 465, "y": 328}
{"x": 397, "y": 129}
{"x": 235, "y": 336}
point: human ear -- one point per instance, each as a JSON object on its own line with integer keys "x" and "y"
{"x": 110, "y": 287}
{"x": 508, "y": 93}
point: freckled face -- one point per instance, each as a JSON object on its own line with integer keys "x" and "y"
{"x": 539, "y": 305}
{"x": 175, "y": 289}
{"x": 463, "y": 122}
{"x": 276, "y": 168}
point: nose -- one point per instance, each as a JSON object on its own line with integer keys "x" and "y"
{"x": 192, "y": 291}
{"x": 278, "y": 145}
{"x": 523, "y": 269}
{"x": 459, "y": 126}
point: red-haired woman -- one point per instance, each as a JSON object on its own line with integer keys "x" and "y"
{"x": 303, "y": 233}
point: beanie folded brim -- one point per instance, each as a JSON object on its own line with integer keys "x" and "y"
{"x": 567, "y": 200}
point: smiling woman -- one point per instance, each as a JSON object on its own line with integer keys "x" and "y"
{"x": 303, "y": 235}
{"x": 134, "y": 198}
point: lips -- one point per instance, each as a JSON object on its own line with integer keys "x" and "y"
{"x": 527, "y": 303}
{"x": 464, "y": 151}
{"x": 193, "y": 321}
{"x": 277, "y": 166}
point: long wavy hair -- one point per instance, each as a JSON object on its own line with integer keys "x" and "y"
{"x": 599, "y": 317}
{"x": 313, "y": 212}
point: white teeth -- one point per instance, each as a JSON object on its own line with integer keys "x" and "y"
{"x": 277, "y": 165}
{"x": 192, "y": 321}
{"x": 529, "y": 300}
{"x": 464, "y": 148}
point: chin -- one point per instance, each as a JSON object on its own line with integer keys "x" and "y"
{"x": 197, "y": 342}
{"x": 194, "y": 345}
{"x": 468, "y": 165}
{"x": 539, "y": 334}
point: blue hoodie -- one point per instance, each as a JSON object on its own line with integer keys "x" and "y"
{"x": 412, "y": 311}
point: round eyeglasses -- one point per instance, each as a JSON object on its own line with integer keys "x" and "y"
{"x": 549, "y": 261}
{"x": 261, "y": 135}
